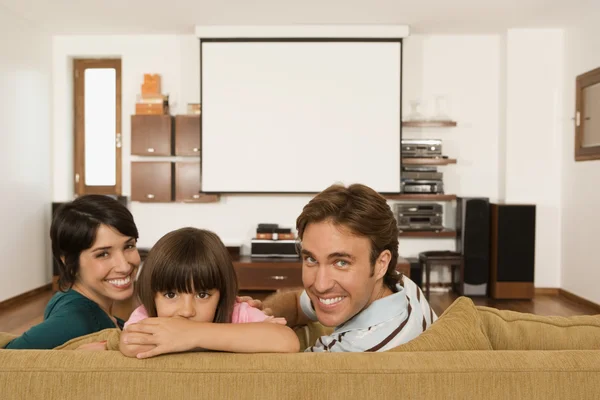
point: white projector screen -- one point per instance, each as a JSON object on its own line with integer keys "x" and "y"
{"x": 298, "y": 116}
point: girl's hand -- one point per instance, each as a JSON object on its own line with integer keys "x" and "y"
{"x": 93, "y": 346}
{"x": 169, "y": 335}
{"x": 254, "y": 303}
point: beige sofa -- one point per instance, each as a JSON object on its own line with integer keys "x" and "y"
{"x": 469, "y": 353}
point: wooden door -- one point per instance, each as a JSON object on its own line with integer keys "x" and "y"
{"x": 97, "y": 144}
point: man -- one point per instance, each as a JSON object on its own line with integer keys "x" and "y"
{"x": 349, "y": 247}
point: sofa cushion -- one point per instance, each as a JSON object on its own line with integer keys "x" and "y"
{"x": 510, "y": 330}
{"x": 5, "y": 338}
{"x": 458, "y": 328}
{"x": 309, "y": 334}
{"x": 111, "y": 336}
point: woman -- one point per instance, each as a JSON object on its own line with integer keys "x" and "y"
{"x": 94, "y": 243}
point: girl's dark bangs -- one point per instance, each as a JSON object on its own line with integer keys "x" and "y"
{"x": 186, "y": 278}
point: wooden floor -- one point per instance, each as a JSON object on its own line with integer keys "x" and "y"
{"x": 19, "y": 318}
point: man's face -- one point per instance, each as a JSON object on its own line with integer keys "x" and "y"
{"x": 336, "y": 272}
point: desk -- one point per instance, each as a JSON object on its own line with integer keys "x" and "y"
{"x": 266, "y": 273}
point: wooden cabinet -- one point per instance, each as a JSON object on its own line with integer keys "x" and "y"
{"x": 279, "y": 273}
{"x": 187, "y": 135}
{"x": 151, "y": 135}
{"x": 152, "y": 181}
{"x": 268, "y": 273}
{"x": 187, "y": 184}
{"x": 187, "y": 181}
{"x": 166, "y": 181}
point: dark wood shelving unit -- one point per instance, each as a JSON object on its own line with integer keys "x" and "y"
{"x": 429, "y": 124}
{"x": 446, "y": 233}
{"x": 177, "y": 177}
{"x": 422, "y": 197}
{"x": 428, "y": 161}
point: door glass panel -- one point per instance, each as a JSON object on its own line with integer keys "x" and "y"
{"x": 100, "y": 126}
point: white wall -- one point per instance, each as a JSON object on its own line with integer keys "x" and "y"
{"x": 25, "y": 55}
{"x": 483, "y": 77}
{"x": 466, "y": 68}
{"x": 139, "y": 54}
{"x": 176, "y": 59}
{"x": 581, "y": 180}
{"x": 534, "y": 89}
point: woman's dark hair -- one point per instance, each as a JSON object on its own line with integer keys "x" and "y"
{"x": 74, "y": 227}
{"x": 188, "y": 260}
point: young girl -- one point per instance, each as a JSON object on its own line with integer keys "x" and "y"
{"x": 188, "y": 288}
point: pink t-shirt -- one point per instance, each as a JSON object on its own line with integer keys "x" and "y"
{"x": 242, "y": 313}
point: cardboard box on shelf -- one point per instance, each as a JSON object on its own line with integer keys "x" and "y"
{"x": 151, "y": 84}
{"x": 150, "y": 109}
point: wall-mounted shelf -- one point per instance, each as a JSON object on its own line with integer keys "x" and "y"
{"x": 446, "y": 233}
{"x": 428, "y": 124}
{"x": 204, "y": 198}
{"x": 428, "y": 161}
{"x": 424, "y": 197}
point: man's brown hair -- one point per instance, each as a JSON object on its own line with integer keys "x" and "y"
{"x": 188, "y": 260}
{"x": 365, "y": 213}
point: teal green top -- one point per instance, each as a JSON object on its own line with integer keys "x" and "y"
{"x": 68, "y": 315}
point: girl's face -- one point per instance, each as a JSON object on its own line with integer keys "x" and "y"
{"x": 107, "y": 269}
{"x": 199, "y": 307}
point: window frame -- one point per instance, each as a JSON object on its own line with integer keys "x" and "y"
{"x": 583, "y": 81}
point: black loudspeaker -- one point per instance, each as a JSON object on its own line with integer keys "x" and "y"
{"x": 512, "y": 267}
{"x": 473, "y": 242}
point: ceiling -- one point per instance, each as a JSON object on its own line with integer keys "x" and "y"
{"x": 180, "y": 16}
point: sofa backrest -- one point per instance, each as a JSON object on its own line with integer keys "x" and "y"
{"x": 457, "y": 329}
{"x": 510, "y": 330}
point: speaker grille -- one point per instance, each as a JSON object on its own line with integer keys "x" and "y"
{"x": 473, "y": 225}
{"x": 516, "y": 243}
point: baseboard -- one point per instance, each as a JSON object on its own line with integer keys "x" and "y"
{"x": 547, "y": 291}
{"x": 579, "y": 300}
{"x": 23, "y": 297}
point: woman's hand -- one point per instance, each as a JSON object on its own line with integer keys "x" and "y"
{"x": 168, "y": 335}
{"x": 254, "y": 303}
{"x": 93, "y": 346}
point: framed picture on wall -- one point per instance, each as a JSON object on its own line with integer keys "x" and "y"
{"x": 587, "y": 116}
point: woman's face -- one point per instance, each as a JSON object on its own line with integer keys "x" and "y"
{"x": 107, "y": 269}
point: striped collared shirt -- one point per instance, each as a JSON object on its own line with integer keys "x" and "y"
{"x": 385, "y": 324}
